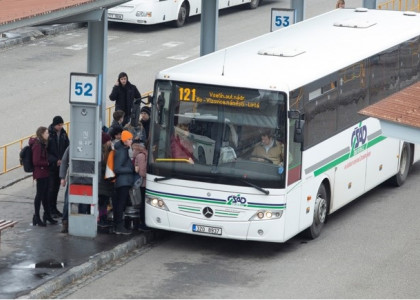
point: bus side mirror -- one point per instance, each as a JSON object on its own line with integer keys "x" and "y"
{"x": 298, "y": 135}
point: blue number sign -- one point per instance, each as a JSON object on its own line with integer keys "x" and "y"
{"x": 281, "y": 17}
{"x": 83, "y": 88}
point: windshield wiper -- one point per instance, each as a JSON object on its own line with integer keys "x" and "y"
{"x": 162, "y": 179}
{"x": 256, "y": 186}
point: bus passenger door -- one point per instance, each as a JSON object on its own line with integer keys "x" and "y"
{"x": 294, "y": 184}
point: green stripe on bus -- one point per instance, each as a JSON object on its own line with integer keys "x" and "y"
{"x": 225, "y": 213}
{"x": 189, "y": 209}
{"x": 345, "y": 157}
{"x": 281, "y": 206}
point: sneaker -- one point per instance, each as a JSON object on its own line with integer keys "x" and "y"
{"x": 122, "y": 230}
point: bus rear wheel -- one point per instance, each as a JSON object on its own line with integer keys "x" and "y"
{"x": 254, "y": 4}
{"x": 182, "y": 15}
{"x": 320, "y": 213}
{"x": 404, "y": 167}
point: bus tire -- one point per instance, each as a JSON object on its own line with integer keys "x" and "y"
{"x": 254, "y": 4}
{"x": 404, "y": 166}
{"x": 320, "y": 213}
{"x": 182, "y": 15}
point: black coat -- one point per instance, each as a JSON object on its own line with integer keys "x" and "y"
{"x": 56, "y": 147}
{"x": 123, "y": 166}
{"x": 124, "y": 97}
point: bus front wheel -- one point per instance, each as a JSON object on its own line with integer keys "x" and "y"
{"x": 320, "y": 213}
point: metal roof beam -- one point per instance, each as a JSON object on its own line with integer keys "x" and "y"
{"x": 65, "y": 13}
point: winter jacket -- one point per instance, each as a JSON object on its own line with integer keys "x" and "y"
{"x": 138, "y": 132}
{"x": 124, "y": 97}
{"x": 275, "y": 153}
{"x": 65, "y": 162}
{"x": 123, "y": 166}
{"x": 56, "y": 147}
{"x": 146, "y": 126}
{"x": 39, "y": 158}
{"x": 181, "y": 147}
{"x": 140, "y": 160}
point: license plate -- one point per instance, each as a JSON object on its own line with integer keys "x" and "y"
{"x": 207, "y": 229}
{"x": 115, "y": 16}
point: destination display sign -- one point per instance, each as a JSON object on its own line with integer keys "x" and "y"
{"x": 218, "y": 95}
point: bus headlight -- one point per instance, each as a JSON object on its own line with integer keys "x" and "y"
{"x": 145, "y": 14}
{"x": 156, "y": 202}
{"x": 266, "y": 215}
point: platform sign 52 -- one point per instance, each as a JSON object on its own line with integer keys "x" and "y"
{"x": 83, "y": 88}
{"x": 282, "y": 17}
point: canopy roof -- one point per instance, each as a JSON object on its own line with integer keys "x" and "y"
{"x": 20, "y": 13}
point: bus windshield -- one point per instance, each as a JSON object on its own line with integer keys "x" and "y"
{"x": 219, "y": 134}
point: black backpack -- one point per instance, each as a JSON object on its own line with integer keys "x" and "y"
{"x": 25, "y": 157}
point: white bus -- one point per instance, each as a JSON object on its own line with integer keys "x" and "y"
{"x": 149, "y": 12}
{"x": 306, "y": 83}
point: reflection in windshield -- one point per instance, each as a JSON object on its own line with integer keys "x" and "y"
{"x": 225, "y": 135}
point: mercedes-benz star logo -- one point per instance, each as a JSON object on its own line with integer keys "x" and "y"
{"x": 207, "y": 212}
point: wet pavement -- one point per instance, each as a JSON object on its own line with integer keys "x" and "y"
{"x": 36, "y": 261}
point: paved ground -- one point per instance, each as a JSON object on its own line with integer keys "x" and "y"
{"x": 36, "y": 261}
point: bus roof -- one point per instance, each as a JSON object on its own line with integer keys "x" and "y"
{"x": 311, "y": 49}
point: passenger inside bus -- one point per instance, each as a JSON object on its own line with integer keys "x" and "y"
{"x": 268, "y": 150}
{"x": 181, "y": 145}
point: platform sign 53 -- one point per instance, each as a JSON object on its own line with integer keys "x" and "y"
{"x": 83, "y": 88}
{"x": 282, "y": 17}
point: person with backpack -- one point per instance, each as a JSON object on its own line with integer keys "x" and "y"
{"x": 58, "y": 142}
{"x": 38, "y": 146}
{"x": 124, "y": 171}
{"x": 105, "y": 187}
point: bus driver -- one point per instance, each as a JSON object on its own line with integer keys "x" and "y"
{"x": 269, "y": 149}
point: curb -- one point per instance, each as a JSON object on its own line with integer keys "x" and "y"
{"x": 94, "y": 263}
{"x": 26, "y": 34}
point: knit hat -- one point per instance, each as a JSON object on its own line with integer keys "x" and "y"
{"x": 126, "y": 135}
{"x": 105, "y": 137}
{"x": 145, "y": 109}
{"x": 57, "y": 120}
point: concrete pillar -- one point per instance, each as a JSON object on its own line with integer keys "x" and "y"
{"x": 208, "y": 35}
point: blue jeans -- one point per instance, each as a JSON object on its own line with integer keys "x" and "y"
{"x": 66, "y": 204}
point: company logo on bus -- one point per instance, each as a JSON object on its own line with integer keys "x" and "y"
{"x": 358, "y": 139}
{"x": 236, "y": 200}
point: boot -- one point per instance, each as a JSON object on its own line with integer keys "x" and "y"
{"x": 36, "y": 220}
{"x": 47, "y": 217}
{"x": 65, "y": 228}
{"x": 120, "y": 229}
{"x": 57, "y": 212}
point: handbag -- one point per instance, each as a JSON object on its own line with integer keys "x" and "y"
{"x": 138, "y": 181}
